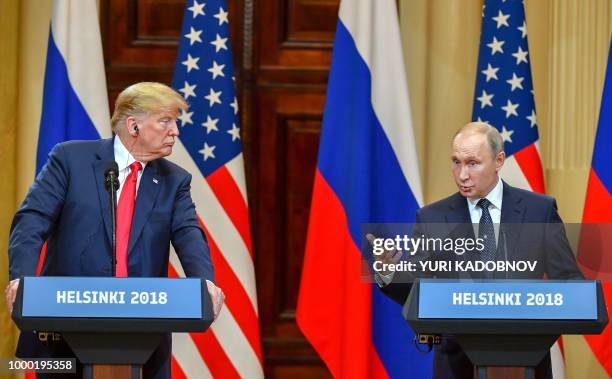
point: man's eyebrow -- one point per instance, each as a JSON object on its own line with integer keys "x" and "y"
{"x": 468, "y": 158}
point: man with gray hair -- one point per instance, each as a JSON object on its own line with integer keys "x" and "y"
{"x": 482, "y": 205}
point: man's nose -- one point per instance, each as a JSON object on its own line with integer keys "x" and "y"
{"x": 174, "y": 130}
{"x": 463, "y": 173}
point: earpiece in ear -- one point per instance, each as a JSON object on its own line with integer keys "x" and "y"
{"x": 136, "y": 131}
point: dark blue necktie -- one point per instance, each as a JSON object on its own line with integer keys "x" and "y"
{"x": 486, "y": 231}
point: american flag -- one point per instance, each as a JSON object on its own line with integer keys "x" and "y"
{"x": 504, "y": 91}
{"x": 210, "y": 149}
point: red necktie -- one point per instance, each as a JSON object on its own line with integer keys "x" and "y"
{"x": 125, "y": 211}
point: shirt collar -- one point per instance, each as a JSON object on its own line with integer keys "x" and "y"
{"x": 495, "y": 196}
{"x": 122, "y": 156}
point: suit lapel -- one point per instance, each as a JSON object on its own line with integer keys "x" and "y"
{"x": 460, "y": 222}
{"x": 512, "y": 215}
{"x": 104, "y": 154}
{"x": 149, "y": 186}
{"x": 458, "y": 217}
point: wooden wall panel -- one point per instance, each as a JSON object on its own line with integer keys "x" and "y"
{"x": 299, "y": 54}
{"x": 158, "y": 20}
{"x": 136, "y": 48}
{"x": 286, "y": 161}
{"x": 311, "y": 21}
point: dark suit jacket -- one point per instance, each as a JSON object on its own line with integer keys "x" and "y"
{"x": 68, "y": 207}
{"x": 532, "y": 230}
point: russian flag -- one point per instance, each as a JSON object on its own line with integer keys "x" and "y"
{"x": 75, "y": 101}
{"x": 594, "y": 251}
{"x": 367, "y": 173}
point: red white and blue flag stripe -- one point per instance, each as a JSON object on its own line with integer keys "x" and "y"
{"x": 594, "y": 254}
{"x": 504, "y": 91}
{"x": 75, "y": 103}
{"x": 210, "y": 148}
{"x": 367, "y": 172}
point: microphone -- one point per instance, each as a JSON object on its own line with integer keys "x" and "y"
{"x": 502, "y": 239}
{"x": 111, "y": 182}
{"x": 111, "y": 175}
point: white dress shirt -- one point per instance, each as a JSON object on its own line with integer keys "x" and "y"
{"x": 495, "y": 197}
{"x": 124, "y": 159}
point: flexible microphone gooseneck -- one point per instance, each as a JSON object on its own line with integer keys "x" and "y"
{"x": 111, "y": 183}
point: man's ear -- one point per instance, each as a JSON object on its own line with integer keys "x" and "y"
{"x": 499, "y": 160}
{"x": 129, "y": 124}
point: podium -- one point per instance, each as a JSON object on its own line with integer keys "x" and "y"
{"x": 113, "y": 325}
{"x": 508, "y": 323}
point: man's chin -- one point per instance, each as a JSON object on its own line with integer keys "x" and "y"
{"x": 167, "y": 150}
{"x": 161, "y": 153}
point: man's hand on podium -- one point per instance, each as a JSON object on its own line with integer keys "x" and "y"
{"x": 10, "y": 292}
{"x": 216, "y": 295}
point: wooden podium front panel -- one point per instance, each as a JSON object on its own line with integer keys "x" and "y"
{"x": 504, "y": 373}
{"x": 113, "y": 372}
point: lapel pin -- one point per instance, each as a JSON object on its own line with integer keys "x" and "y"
{"x": 154, "y": 180}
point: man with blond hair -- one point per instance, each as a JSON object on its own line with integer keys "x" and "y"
{"x": 67, "y": 206}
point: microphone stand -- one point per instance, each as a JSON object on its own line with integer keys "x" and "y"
{"x": 111, "y": 177}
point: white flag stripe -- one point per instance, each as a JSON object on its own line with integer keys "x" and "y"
{"x": 557, "y": 362}
{"x": 392, "y": 107}
{"x": 512, "y": 173}
{"x": 188, "y": 356}
{"x": 219, "y": 225}
{"x": 228, "y": 333}
{"x": 82, "y": 52}
{"x": 236, "y": 346}
{"x": 236, "y": 170}
{"x": 176, "y": 263}
{"x": 537, "y": 146}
